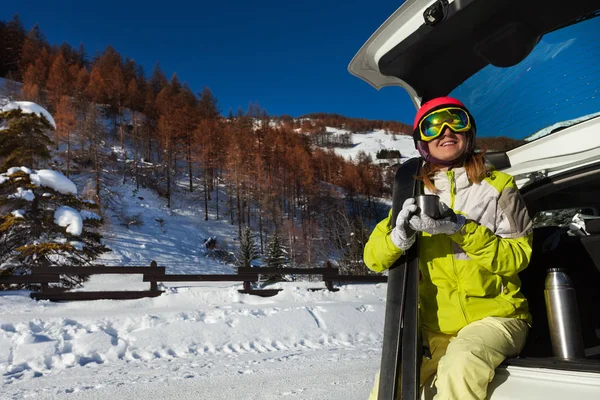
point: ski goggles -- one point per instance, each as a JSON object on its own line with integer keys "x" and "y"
{"x": 433, "y": 124}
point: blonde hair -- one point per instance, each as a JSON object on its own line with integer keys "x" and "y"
{"x": 474, "y": 165}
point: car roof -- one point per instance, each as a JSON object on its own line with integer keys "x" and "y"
{"x": 430, "y": 61}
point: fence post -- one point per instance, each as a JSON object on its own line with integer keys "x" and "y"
{"x": 43, "y": 285}
{"x": 153, "y": 284}
{"x": 327, "y": 276}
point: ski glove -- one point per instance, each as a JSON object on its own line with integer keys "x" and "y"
{"x": 402, "y": 235}
{"x": 448, "y": 224}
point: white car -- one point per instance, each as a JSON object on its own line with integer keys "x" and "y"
{"x": 525, "y": 69}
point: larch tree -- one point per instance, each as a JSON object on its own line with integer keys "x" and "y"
{"x": 134, "y": 101}
{"x": 167, "y": 128}
{"x": 32, "y": 46}
{"x": 32, "y": 82}
{"x": 58, "y": 81}
{"x": 66, "y": 121}
{"x": 93, "y": 131}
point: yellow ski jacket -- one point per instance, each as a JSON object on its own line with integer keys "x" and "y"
{"x": 473, "y": 273}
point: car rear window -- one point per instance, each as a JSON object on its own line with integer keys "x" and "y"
{"x": 557, "y": 85}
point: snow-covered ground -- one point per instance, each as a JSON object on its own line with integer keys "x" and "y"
{"x": 196, "y": 341}
{"x": 374, "y": 141}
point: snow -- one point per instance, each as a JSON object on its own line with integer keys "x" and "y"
{"x": 30, "y": 108}
{"x": 54, "y": 180}
{"x": 548, "y": 130}
{"x": 195, "y": 341}
{"x": 14, "y": 170}
{"x": 23, "y": 194}
{"x": 69, "y": 218}
{"x": 86, "y": 214}
{"x": 374, "y": 141}
{"x": 18, "y": 213}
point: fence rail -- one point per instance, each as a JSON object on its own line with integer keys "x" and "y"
{"x": 154, "y": 274}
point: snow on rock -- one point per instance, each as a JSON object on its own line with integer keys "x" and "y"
{"x": 53, "y": 179}
{"x": 69, "y": 218}
{"x": 29, "y": 108}
{"x": 3, "y": 178}
{"x": 23, "y": 194}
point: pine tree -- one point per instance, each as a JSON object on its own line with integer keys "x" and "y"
{"x": 247, "y": 250}
{"x": 30, "y": 223}
{"x": 23, "y": 141}
{"x": 276, "y": 253}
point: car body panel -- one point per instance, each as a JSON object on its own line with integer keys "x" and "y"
{"x": 568, "y": 149}
{"x": 521, "y": 383}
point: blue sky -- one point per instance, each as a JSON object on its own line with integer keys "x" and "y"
{"x": 291, "y": 58}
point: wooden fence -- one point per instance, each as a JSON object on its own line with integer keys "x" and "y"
{"x": 154, "y": 274}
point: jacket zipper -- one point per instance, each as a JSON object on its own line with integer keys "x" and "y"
{"x": 452, "y": 182}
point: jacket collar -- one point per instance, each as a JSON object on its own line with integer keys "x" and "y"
{"x": 442, "y": 179}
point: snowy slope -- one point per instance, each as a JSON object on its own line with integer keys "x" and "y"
{"x": 173, "y": 238}
{"x": 374, "y": 141}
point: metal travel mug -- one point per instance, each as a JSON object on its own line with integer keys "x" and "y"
{"x": 563, "y": 316}
{"x": 429, "y": 204}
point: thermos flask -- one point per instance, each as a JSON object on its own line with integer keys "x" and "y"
{"x": 563, "y": 315}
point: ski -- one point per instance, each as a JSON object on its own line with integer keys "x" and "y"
{"x": 401, "y": 349}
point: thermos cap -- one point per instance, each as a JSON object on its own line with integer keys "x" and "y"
{"x": 556, "y": 270}
{"x": 558, "y": 277}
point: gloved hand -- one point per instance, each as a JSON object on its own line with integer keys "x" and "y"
{"x": 402, "y": 235}
{"x": 448, "y": 224}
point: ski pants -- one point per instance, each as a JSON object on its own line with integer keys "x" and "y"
{"x": 466, "y": 362}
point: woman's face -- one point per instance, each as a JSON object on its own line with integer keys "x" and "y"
{"x": 448, "y": 146}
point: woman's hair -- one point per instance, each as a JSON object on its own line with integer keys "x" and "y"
{"x": 475, "y": 167}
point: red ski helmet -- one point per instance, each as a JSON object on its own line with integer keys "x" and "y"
{"x": 436, "y": 104}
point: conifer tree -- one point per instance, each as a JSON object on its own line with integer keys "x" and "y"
{"x": 276, "y": 253}
{"x": 58, "y": 82}
{"x": 12, "y": 37}
{"x": 42, "y": 223}
{"x": 247, "y": 250}
{"x": 23, "y": 141}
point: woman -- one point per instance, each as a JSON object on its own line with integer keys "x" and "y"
{"x": 472, "y": 313}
